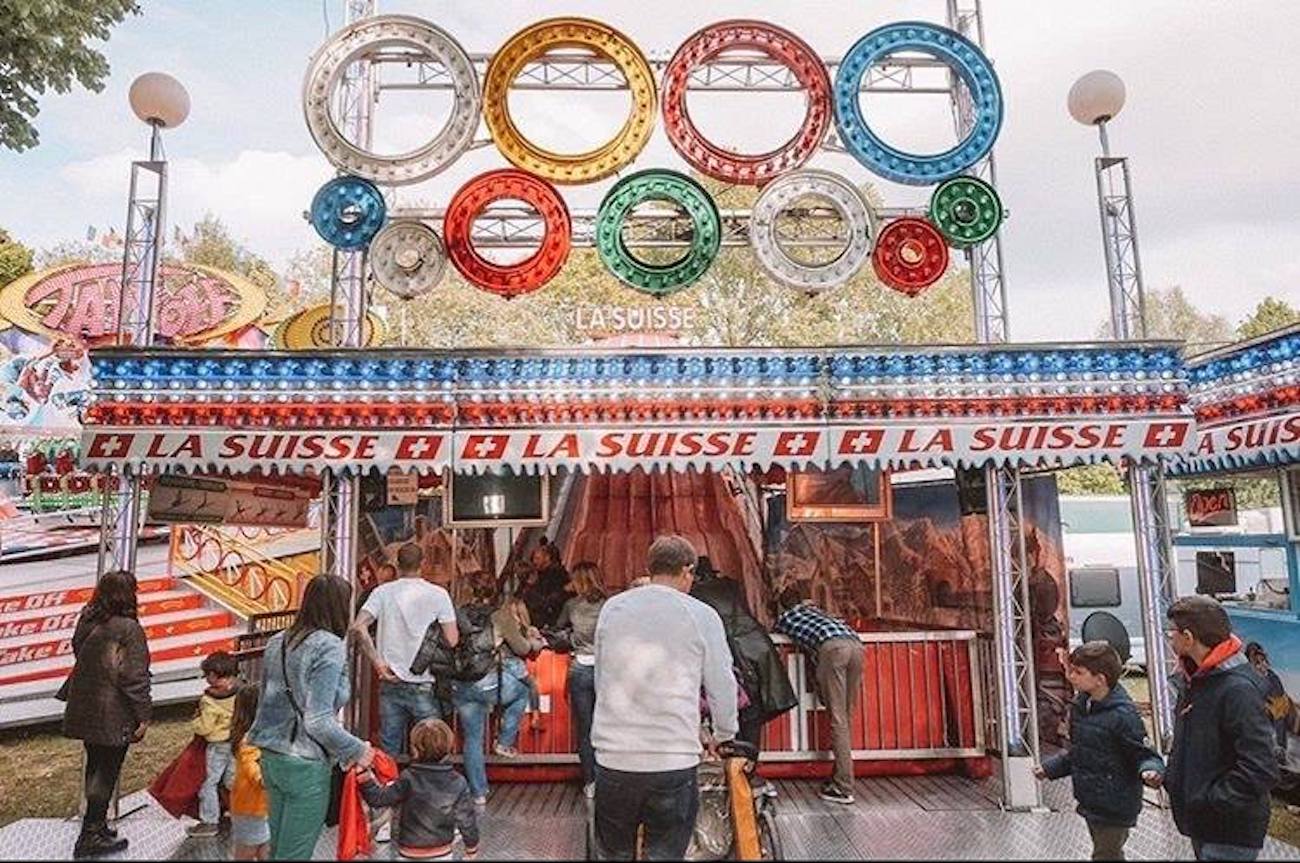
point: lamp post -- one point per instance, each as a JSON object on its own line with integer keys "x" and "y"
{"x": 1094, "y": 100}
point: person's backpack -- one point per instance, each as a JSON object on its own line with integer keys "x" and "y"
{"x": 474, "y": 655}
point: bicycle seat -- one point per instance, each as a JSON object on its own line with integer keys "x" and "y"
{"x": 738, "y": 749}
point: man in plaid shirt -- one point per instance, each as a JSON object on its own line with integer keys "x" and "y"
{"x": 836, "y": 654}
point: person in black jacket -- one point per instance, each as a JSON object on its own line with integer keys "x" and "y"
{"x": 435, "y": 799}
{"x": 1222, "y": 766}
{"x": 108, "y": 701}
{"x": 1110, "y": 755}
{"x": 759, "y": 666}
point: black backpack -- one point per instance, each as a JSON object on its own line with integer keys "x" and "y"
{"x": 474, "y": 655}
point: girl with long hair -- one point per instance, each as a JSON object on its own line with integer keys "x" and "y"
{"x": 579, "y": 615}
{"x": 250, "y": 832}
{"x": 108, "y": 700}
{"x": 304, "y": 686}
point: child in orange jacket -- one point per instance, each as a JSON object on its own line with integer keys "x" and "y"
{"x": 249, "y": 829}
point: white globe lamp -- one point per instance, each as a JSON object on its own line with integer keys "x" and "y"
{"x": 1096, "y": 97}
{"x": 159, "y": 100}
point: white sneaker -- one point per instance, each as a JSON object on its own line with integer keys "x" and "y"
{"x": 589, "y": 791}
{"x": 384, "y": 832}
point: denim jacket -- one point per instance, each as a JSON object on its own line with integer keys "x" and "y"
{"x": 317, "y": 669}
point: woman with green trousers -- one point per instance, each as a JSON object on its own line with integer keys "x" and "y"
{"x": 304, "y": 685}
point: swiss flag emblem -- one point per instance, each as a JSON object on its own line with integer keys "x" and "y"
{"x": 109, "y": 445}
{"x": 1166, "y": 435}
{"x": 485, "y": 446}
{"x": 802, "y": 443}
{"x": 419, "y": 447}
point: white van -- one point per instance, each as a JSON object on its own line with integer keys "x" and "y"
{"x": 1101, "y": 565}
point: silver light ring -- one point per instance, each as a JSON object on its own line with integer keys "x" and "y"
{"x": 407, "y": 258}
{"x": 844, "y": 197}
{"x": 391, "y": 31}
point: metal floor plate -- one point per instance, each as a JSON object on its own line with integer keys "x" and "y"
{"x": 895, "y": 818}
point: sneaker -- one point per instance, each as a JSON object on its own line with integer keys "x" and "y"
{"x": 202, "y": 830}
{"x": 589, "y": 791}
{"x": 480, "y": 802}
{"x": 834, "y": 795}
{"x": 384, "y": 832}
{"x": 505, "y": 751}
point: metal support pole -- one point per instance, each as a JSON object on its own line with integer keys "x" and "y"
{"x": 1151, "y": 528}
{"x": 1016, "y": 697}
{"x": 340, "y": 492}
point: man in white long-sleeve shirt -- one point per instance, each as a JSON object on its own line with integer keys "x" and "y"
{"x": 655, "y": 648}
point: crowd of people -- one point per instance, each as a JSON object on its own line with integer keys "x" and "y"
{"x": 660, "y": 674}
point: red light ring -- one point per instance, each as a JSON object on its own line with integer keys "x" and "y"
{"x": 910, "y": 255}
{"x": 514, "y": 279}
{"x": 783, "y": 47}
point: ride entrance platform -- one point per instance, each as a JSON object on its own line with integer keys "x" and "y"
{"x": 894, "y": 818}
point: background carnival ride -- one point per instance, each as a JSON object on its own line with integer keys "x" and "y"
{"x": 909, "y": 253}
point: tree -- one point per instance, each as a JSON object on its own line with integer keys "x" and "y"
{"x": 43, "y": 46}
{"x": 15, "y": 259}
{"x": 1170, "y": 315}
{"x": 1271, "y": 314}
{"x": 1092, "y": 479}
{"x": 211, "y": 244}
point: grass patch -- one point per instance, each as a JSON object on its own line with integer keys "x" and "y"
{"x": 40, "y": 769}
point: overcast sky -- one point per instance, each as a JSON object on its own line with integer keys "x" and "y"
{"x": 1211, "y": 126}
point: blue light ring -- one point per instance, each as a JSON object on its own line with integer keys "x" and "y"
{"x": 963, "y": 57}
{"x": 333, "y": 198}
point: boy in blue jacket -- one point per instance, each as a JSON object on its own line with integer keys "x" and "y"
{"x": 1110, "y": 755}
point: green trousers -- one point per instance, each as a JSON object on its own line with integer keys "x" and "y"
{"x": 297, "y": 797}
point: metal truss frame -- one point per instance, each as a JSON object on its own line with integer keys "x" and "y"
{"x": 660, "y": 227}
{"x": 733, "y": 73}
{"x": 1013, "y": 644}
{"x": 1153, "y": 532}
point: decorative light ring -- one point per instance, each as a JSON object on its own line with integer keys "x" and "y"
{"x": 966, "y": 210}
{"x": 658, "y": 184}
{"x": 527, "y": 275}
{"x": 848, "y": 202}
{"x": 407, "y": 258}
{"x": 781, "y": 46}
{"x": 963, "y": 57}
{"x": 910, "y": 255}
{"x": 347, "y": 212}
{"x": 532, "y": 43}
{"x": 366, "y": 36}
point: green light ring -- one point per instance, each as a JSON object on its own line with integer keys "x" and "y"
{"x": 983, "y": 213}
{"x": 658, "y": 185}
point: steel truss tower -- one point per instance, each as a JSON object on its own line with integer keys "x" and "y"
{"x": 1013, "y": 642}
{"x": 1152, "y": 530}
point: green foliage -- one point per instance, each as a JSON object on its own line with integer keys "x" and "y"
{"x": 42, "y": 47}
{"x": 1093, "y": 479}
{"x": 211, "y": 244}
{"x": 1271, "y": 314}
{"x": 1170, "y": 315}
{"x": 15, "y": 259}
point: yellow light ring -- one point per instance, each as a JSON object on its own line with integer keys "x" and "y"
{"x": 532, "y": 43}
{"x": 309, "y": 330}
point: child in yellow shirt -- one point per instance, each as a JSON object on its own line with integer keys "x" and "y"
{"x": 250, "y": 832}
{"x": 212, "y": 723}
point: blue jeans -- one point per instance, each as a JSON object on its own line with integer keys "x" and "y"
{"x": 401, "y": 705}
{"x": 582, "y": 703}
{"x": 474, "y": 701}
{"x": 1219, "y": 851}
{"x": 220, "y": 766}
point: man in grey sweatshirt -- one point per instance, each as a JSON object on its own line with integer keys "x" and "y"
{"x": 655, "y": 648}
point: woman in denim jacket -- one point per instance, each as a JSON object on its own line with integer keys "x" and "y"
{"x": 304, "y": 685}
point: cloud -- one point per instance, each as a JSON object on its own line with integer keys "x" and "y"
{"x": 259, "y": 194}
